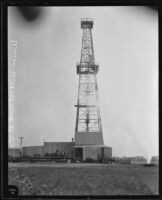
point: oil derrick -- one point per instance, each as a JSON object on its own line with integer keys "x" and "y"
{"x": 88, "y": 129}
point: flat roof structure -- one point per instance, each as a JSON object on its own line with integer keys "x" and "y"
{"x": 87, "y": 23}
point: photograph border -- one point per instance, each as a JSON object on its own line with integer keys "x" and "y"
{"x": 4, "y": 92}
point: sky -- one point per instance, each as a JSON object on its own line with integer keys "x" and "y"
{"x": 125, "y": 40}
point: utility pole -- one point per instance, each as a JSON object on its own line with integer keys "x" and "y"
{"x": 21, "y": 138}
{"x": 73, "y": 150}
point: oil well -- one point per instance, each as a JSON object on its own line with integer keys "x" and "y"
{"x": 88, "y": 142}
{"x": 88, "y": 130}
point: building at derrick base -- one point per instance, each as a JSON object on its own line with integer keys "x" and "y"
{"x": 90, "y": 146}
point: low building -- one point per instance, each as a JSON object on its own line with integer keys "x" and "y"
{"x": 64, "y": 148}
{"x": 155, "y": 160}
{"x": 138, "y": 160}
{"x": 32, "y": 151}
{"x": 13, "y": 152}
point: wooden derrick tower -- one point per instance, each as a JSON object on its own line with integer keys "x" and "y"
{"x": 88, "y": 129}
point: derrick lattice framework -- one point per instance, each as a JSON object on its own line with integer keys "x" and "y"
{"x": 88, "y": 120}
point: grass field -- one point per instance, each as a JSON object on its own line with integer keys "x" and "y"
{"x": 83, "y": 179}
